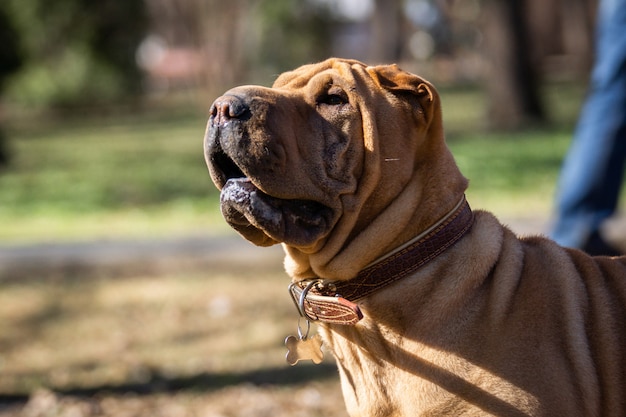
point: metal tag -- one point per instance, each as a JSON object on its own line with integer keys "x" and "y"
{"x": 304, "y": 348}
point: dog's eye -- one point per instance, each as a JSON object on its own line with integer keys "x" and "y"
{"x": 334, "y": 97}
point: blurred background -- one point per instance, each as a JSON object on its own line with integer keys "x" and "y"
{"x": 122, "y": 291}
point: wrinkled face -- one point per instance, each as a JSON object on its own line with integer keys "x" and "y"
{"x": 290, "y": 159}
{"x": 284, "y": 156}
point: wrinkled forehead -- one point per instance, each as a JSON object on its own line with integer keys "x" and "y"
{"x": 330, "y": 71}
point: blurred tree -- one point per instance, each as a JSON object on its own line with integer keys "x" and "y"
{"x": 561, "y": 35}
{"x": 244, "y": 40}
{"x": 10, "y": 53}
{"x": 387, "y": 31}
{"x": 218, "y": 32}
{"x": 292, "y": 33}
{"x": 270, "y": 36}
{"x": 228, "y": 37}
{"x": 512, "y": 82}
{"x": 10, "y": 61}
{"x": 76, "y": 52}
{"x": 525, "y": 40}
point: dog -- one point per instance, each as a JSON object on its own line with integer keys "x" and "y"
{"x": 429, "y": 307}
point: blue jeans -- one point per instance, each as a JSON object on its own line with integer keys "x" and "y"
{"x": 592, "y": 172}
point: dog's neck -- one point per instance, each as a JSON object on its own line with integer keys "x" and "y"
{"x": 381, "y": 224}
{"x": 334, "y": 302}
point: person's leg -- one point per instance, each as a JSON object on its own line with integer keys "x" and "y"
{"x": 592, "y": 171}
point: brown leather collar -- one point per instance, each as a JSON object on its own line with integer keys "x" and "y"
{"x": 334, "y": 301}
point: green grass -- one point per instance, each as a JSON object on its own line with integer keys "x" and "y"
{"x": 144, "y": 175}
{"x": 108, "y": 178}
{"x": 513, "y": 175}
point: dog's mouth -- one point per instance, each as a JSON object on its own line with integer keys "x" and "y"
{"x": 222, "y": 167}
{"x": 261, "y": 218}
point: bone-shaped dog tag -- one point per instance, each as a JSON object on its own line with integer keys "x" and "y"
{"x": 303, "y": 348}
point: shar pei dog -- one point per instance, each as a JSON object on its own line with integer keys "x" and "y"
{"x": 430, "y": 308}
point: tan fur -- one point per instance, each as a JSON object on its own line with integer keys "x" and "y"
{"x": 383, "y": 212}
{"x": 496, "y": 325}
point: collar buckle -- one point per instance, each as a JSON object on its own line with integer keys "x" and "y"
{"x": 316, "y": 299}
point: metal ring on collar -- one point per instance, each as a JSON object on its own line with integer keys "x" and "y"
{"x": 308, "y": 329}
{"x": 299, "y": 300}
{"x": 302, "y": 299}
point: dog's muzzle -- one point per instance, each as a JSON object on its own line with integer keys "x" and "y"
{"x": 246, "y": 205}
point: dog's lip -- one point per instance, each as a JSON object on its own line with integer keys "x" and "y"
{"x": 294, "y": 220}
{"x": 239, "y": 189}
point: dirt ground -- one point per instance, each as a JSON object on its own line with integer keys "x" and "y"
{"x": 319, "y": 398}
{"x": 187, "y": 339}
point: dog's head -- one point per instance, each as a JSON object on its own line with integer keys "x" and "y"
{"x": 322, "y": 153}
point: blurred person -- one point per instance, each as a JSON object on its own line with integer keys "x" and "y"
{"x": 592, "y": 173}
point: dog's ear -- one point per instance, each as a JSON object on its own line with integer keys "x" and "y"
{"x": 392, "y": 78}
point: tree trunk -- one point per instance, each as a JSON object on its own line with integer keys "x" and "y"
{"x": 578, "y": 31}
{"x": 387, "y": 23}
{"x": 511, "y": 80}
{"x": 11, "y": 60}
{"x": 4, "y": 150}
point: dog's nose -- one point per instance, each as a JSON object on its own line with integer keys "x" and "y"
{"x": 227, "y": 108}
